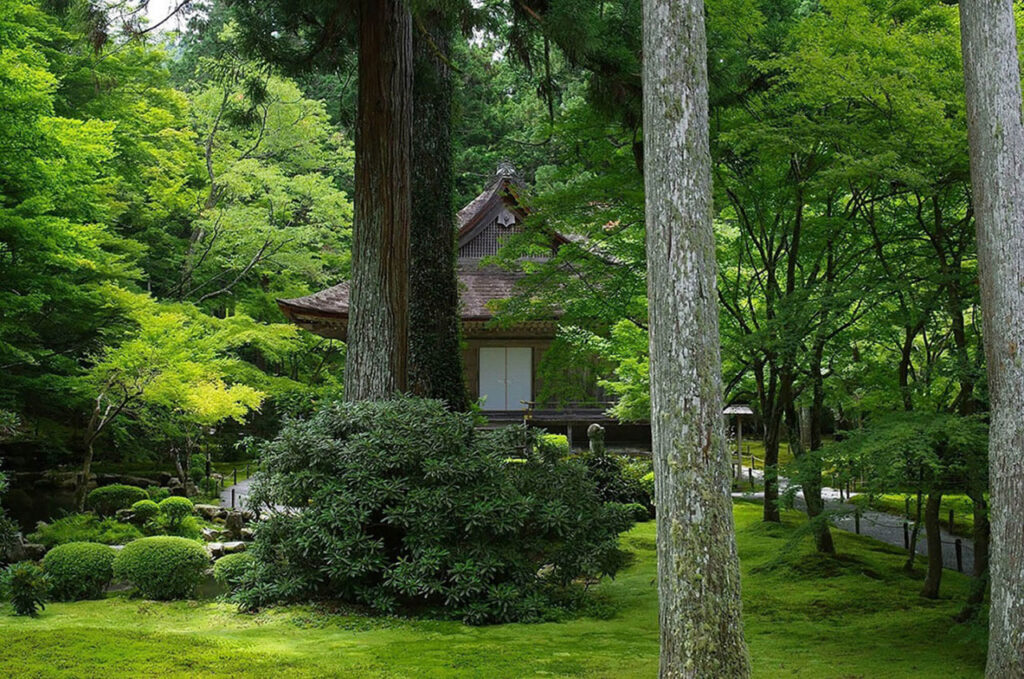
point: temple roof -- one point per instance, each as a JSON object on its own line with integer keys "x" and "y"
{"x": 477, "y": 287}
{"x": 481, "y": 223}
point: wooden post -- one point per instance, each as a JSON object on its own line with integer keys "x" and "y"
{"x": 906, "y": 504}
{"x": 959, "y": 554}
{"x": 856, "y": 519}
{"x": 739, "y": 436}
{"x": 232, "y": 498}
{"x": 246, "y": 470}
{"x": 906, "y": 535}
{"x": 234, "y": 477}
{"x": 568, "y": 435}
{"x": 951, "y": 521}
{"x": 750, "y": 477}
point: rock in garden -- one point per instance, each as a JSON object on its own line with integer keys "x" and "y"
{"x": 234, "y": 547}
{"x": 234, "y": 522}
{"x": 210, "y": 512}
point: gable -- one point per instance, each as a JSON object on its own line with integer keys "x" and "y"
{"x": 490, "y": 233}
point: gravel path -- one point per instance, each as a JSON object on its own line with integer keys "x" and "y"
{"x": 879, "y": 525}
{"x": 241, "y": 494}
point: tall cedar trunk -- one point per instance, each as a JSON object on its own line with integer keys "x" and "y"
{"x": 996, "y": 136}
{"x": 376, "y": 364}
{"x": 698, "y": 569}
{"x": 934, "y": 540}
{"x": 435, "y": 354}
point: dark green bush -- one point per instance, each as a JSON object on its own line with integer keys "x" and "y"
{"x": 405, "y": 506}
{"x": 636, "y": 512}
{"x": 231, "y": 570}
{"x": 106, "y": 500}
{"x": 84, "y": 528}
{"x": 175, "y": 509}
{"x": 620, "y": 479}
{"x": 158, "y": 493}
{"x": 162, "y": 567}
{"x": 79, "y": 570}
{"x": 26, "y": 586}
{"x": 144, "y": 511}
{"x": 8, "y": 528}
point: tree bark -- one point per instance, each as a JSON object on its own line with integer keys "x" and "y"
{"x": 435, "y": 353}
{"x": 933, "y": 534}
{"x": 698, "y": 568}
{"x": 996, "y": 136}
{"x": 376, "y": 365}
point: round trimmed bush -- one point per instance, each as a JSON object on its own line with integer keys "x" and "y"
{"x": 229, "y": 570}
{"x": 158, "y": 493}
{"x": 106, "y": 500}
{"x": 79, "y": 570}
{"x": 162, "y": 567}
{"x": 175, "y": 509}
{"x": 145, "y": 510}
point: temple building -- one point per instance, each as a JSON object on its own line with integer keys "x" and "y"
{"x": 500, "y": 361}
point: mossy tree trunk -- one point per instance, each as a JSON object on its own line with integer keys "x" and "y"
{"x": 698, "y": 569}
{"x": 377, "y": 362}
{"x": 435, "y": 354}
{"x": 996, "y": 137}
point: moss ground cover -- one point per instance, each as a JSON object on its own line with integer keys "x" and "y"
{"x": 858, "y": 616}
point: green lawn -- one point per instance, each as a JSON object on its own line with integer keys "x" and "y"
{"x": 856, "y": 617}
{"x": 896, "y": 503}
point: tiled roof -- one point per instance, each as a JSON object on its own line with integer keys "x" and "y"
{"x": 477, "y": 287}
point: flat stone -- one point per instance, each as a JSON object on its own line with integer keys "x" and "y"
{"x": 234, "y": 547}
{"x": 216, "y": 549}
{"x": 209, "y": 512}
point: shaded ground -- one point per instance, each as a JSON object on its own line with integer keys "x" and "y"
{"x": 857, "y": 616}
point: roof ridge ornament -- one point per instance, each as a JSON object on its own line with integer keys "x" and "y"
{"x": 506, "y": 169}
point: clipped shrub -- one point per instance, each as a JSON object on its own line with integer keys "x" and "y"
{"x": 556, "y": 445}
{"x": 79, "y": 570}
{"x": 106, "y": 500}
{"x": 230, "y": 570}
{"x": 188, "y": 527}
{"x": 162, "y": 567}
{"x": 25, "y": 584}
{"x": 158, "y": 493}
{"x": 175, "y": 509}
{"x": 144, "y": 511}
{"x": 405, "y": 506}
{"x": 84, "y": 528}
{"x": 197, "y": 468}
{"x": 209, "y": 487}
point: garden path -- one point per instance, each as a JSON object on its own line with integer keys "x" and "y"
{"x": 878, "y": 525}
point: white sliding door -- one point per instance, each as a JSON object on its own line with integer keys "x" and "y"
{"x": 506, "y": 377}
